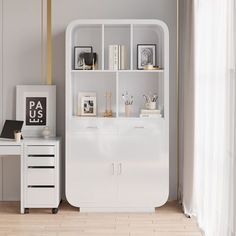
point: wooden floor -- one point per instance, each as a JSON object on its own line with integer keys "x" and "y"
{"x": 167, "y": 221}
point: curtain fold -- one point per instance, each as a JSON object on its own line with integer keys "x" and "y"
{"x": 209, "y": 113}
{"x": 187, "y": 104}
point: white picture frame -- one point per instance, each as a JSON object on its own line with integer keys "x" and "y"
{"x": 36, "y": 106}
{"x": 87, "y": 104}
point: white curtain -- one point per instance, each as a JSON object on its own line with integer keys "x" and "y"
{"x": 209, "y": 162}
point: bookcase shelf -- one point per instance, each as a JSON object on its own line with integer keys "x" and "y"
{"x": 118, "y": 71}
{"x": 105, "y": 155}
{"x": 100, "y": 34}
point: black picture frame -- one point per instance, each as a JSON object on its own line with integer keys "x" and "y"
{"x": 78, "y": 56}
{"x": 149, "y": 58}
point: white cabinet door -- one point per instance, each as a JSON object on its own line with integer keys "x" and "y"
{"x": 143, "y": 176}
{"x": 90, "y": 171}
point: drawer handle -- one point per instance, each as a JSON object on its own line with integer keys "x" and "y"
{"x": 46, "y": 155}
{"x": 41, "y": 167}
{"x": 41, "y": 186}
{"x": 92, "y": 127}
{"x": 139, "y": 127}
{"x": 113, "y": 168}
{"x": 119, "y": 169}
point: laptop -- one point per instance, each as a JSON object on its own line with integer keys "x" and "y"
{"x": 10, "y": 126}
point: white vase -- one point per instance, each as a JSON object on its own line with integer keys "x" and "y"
{"x": 46, "y": 132}
{"x": 151, "y": 105}
{"x": 128, "y": 110}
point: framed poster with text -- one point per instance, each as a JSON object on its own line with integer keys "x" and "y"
{"x": 36, "y": 106}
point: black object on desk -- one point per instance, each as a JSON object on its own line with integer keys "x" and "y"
{"x": 10, "y": 126}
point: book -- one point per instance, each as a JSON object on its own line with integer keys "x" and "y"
{"x": 116, "y": 57}
{"x": 150, "y": 115}
{"x": 110, "y": 57}
{"x": 122, "y": 57}
{"x": 146, "y": 111}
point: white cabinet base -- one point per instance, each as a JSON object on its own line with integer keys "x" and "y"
{"x": 117, "y": 209}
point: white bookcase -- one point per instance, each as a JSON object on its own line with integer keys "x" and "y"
{"x": 119, "y": 163}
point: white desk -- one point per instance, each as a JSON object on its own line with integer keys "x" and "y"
{"x": 40, "y": 171}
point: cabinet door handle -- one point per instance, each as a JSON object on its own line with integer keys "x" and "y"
{"x": 119, "y": 169}
{"x": 113, "y": 168}
{"x": 92, "y": 127}
{"x": 139, "y": 127}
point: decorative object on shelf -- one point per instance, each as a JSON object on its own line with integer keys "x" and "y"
{"x": 36, "y": 106}
{"x": 146, "y": 56}
{"x": 117, "y": 57}
{"x": 151, "y": 67}
{"x": 83, "y": 54}
{"x": 146, "y": 113}
{"x": 151, "y": 105}
{"x": 17, "y": 135}
{"x": 128, "y": 110}
{"x": 108, "y": 111}
{"x": 150, "y": 101}
{"x": 90, "y": 60}
{"x": 46, "y": 133}
{"x": 128, "y": 104}
{"x": 88, "y": 104}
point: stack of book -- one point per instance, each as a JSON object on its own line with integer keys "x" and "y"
{"x": 150, "y": 113}
{"x": 117, "y": 57}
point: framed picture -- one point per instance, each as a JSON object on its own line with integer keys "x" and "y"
{"x": 146, "y": 55}
{"x": 87, "y": 104}
{"x": 80, "y": 53}
{"x": 36, "y": 106}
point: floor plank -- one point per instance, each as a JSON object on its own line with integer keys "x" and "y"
{"x": 166, "y": 221}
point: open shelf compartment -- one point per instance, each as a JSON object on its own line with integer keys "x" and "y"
{"x": 98, "y": 83}
{"x": 117, "y": 35}
{"x": 137, "y": 84}
{"x": 88, "y": 35}
{"x": 148, "y": 34}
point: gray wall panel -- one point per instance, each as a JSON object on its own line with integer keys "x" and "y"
{"x": 21, "y": 52}
{"x": 21, "y": 65}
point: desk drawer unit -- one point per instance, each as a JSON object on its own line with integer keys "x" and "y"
{"x": 37, "y": 161}
{"x": 42, "y": 171}
{"x": 41, "y": 150}
{"x": 40, "y": 176}
{"x": 41, "y": 196}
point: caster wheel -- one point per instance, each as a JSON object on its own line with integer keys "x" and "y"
{"x": 54, "y": 210}
{"x": 26, "y": 211}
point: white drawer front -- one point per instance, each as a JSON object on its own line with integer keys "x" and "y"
{"x": 92, "y": 126}
{"x": 40, "y": 196}
{"x": 40, "y": 176}
{"x": 41, "y": 150}
{"x": 10, "y": 150}
{"x": 40, "y": 161}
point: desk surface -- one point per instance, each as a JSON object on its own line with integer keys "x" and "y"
{"x": 36, "y": 141}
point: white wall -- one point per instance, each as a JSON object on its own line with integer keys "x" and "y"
{"x": 20, "y": 65}
{"x": 21, "y": 55}
{"x": 1, "y": 170}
